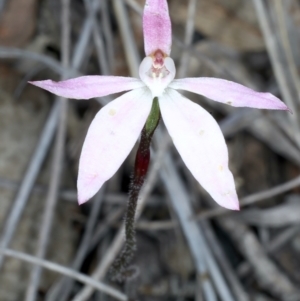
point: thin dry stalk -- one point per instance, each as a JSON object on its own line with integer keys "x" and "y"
{"x": 252, "y": 199}
{"x": 108, "y": 35}
{"x": 29, "y": 178}
{"x": 282, "y": 239}
{"x": 234, "y": 282}
{"x": 267, "y": 274}
{"x": 15, "y": 53}
{"x": 135, "y": 6}
{"x": 62, "y": 289}
{"x": 51, "y": 200}
{"x": 65, "y": 271}
{"x": 276, "y": 59}
{"x": 280, "y": 8}
{"x": 188, "y": 38}
{"x": 131, "y": 52}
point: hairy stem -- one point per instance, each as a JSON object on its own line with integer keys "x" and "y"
{"x": 120, "y": 269}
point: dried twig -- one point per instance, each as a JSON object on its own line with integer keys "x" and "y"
{"x": 280, "y": 71}
{"x": 70, "y": 195}
{"x": 189, "y": 31}
{"x": 268, "y": 275}
{"x": 65, "y": 271}
{"x": 232, "y": 278}
{"x": 91, "y": 27}
{"x": 286, "y": 214}
{"x": 155, "y": 226}
{"x": 100, "y": 47}
{"x": 281, "y": 239}
{"x": 252, "y": 199}
{"x": 131, "y": 52}
{"x": 107, "y": 32}
{"x": 62, "y": 288}
{"x": 135, "y": 6}
{"x": 280, "y": 9}
{"x": 85, "y": 34}
{"x": 14, "y": 53}
{"x": 57, "y": 161}
{"x": 29, "y": 178}
{"x": 102, "y": 228}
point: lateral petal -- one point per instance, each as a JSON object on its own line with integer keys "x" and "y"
{"x": 228, "y": 92}
{"x": 201, "y": 144}
{"x": 157, "y": 27}
{"x": 86, "y": 87}
{"x": 110, "y": 138}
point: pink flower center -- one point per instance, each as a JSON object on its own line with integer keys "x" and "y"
{"x": 158, "y": 59}
{"x": 157, "y": 71}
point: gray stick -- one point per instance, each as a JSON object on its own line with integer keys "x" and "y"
{"x": 65, "y": 271}
{"x": 31, "y": 293}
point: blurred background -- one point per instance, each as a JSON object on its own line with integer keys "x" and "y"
{"x": 188, "y": 248}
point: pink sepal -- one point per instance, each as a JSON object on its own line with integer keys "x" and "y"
{"x": 111, "y": 136}
{"x": 157, "y": 27}
{"x": 201, "y": 144}
{"x": 228, "y": 92}
{"x": 86, "y": 87}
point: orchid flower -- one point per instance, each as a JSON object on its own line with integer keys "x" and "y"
{"x": 195, "y": 133}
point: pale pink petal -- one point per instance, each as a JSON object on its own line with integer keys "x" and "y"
{"x": 86, "y": 87}
{"x": 110, "y": 137}
{"x": 228, "y": 92}
{"x": 201, "y": 145}
{"x": 157, "y": 27}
